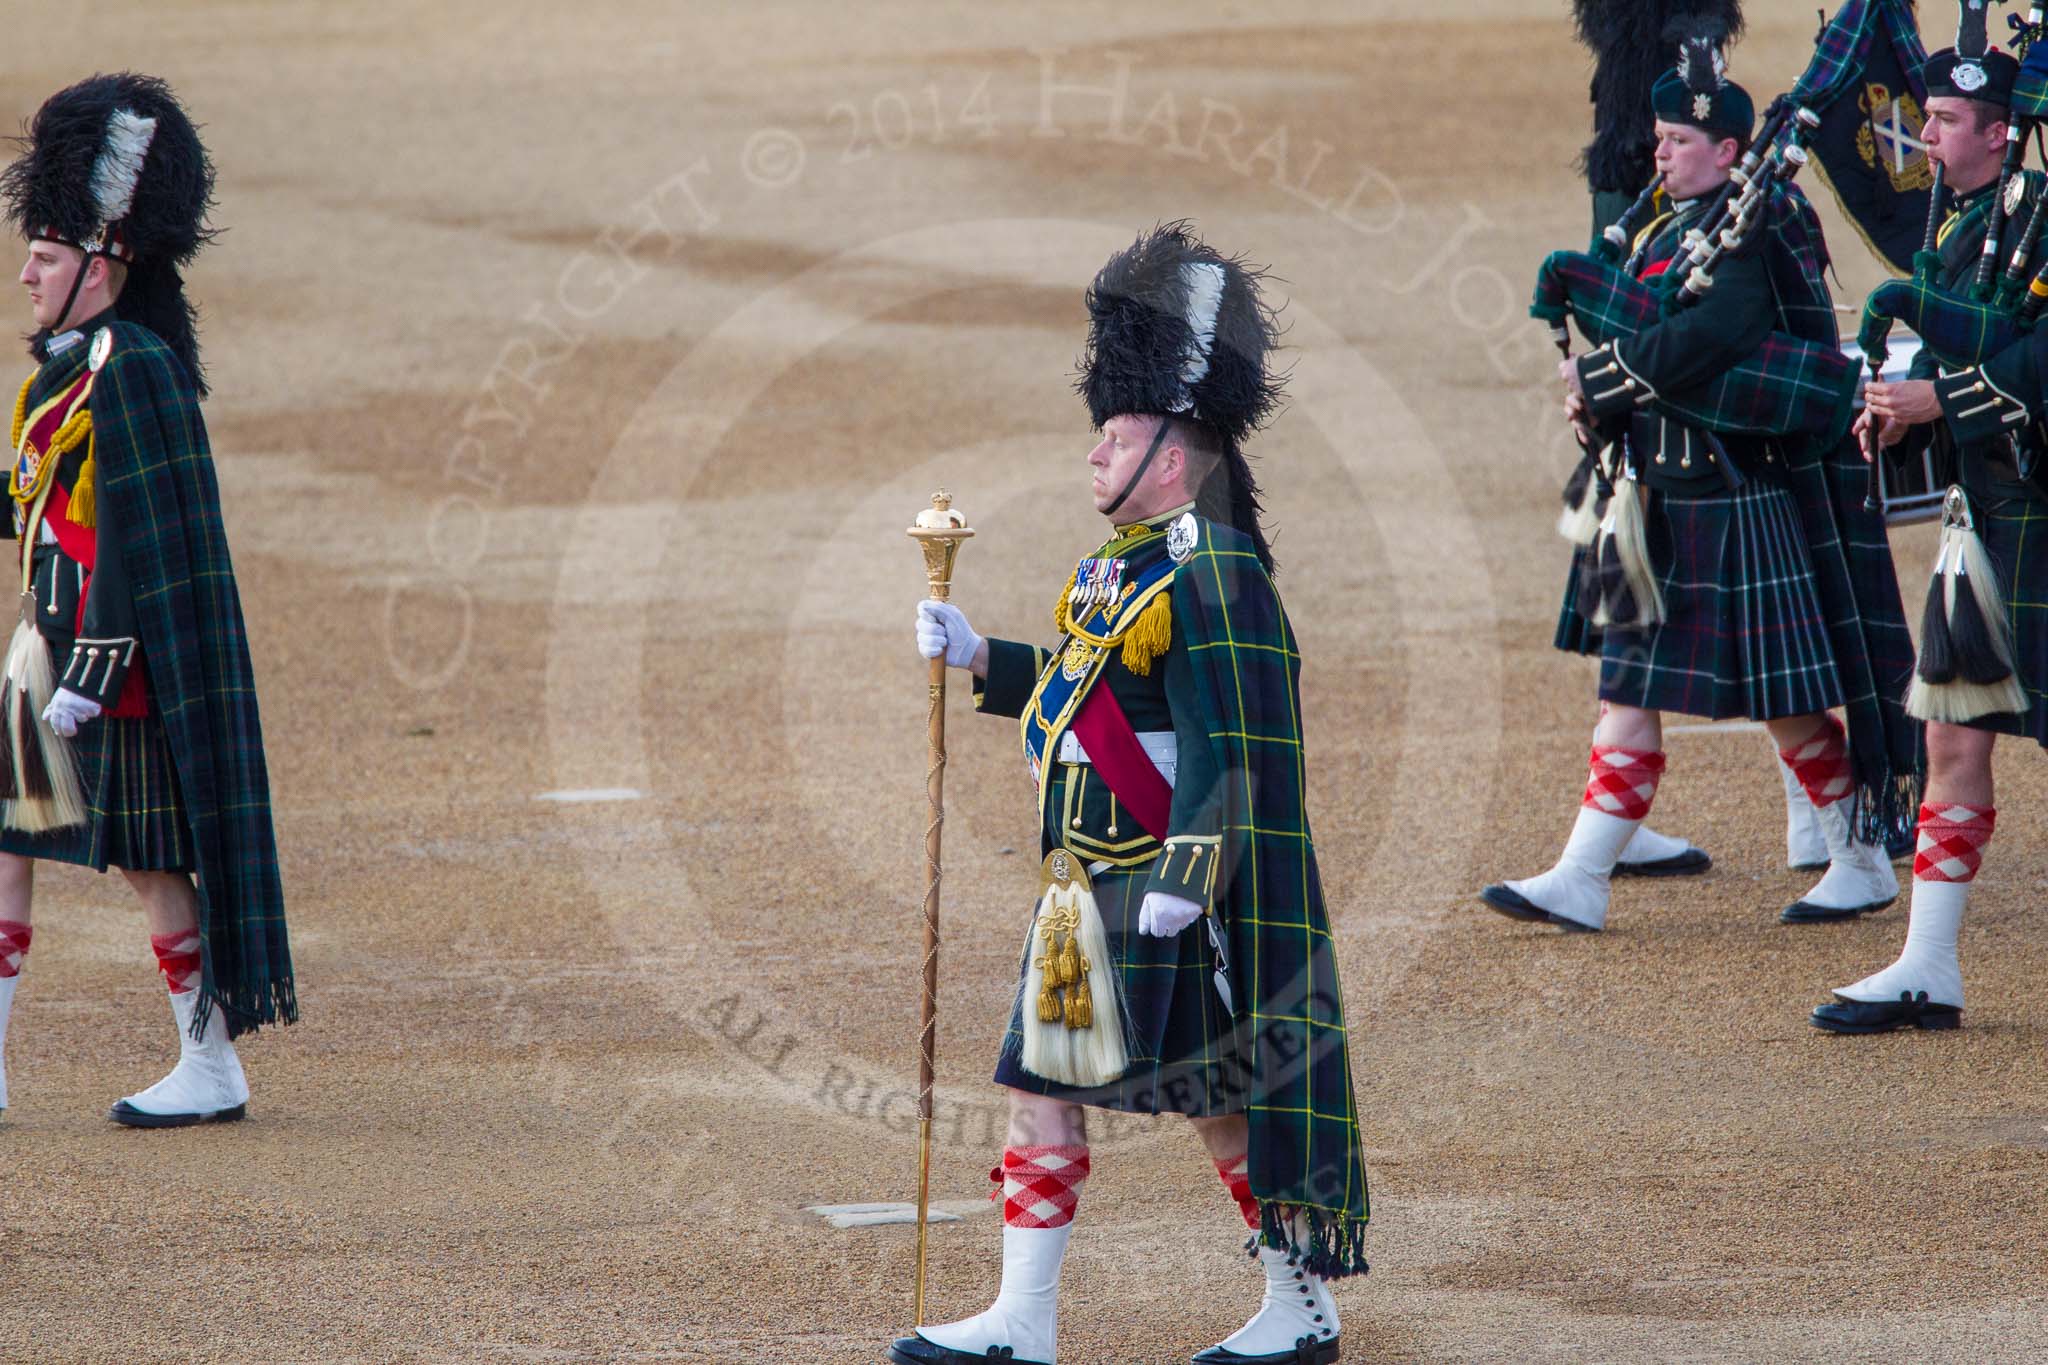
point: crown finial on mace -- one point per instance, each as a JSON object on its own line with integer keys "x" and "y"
{"x": 938, "y": 530}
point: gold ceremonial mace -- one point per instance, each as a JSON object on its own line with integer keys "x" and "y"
{"x": 938, "y": 532}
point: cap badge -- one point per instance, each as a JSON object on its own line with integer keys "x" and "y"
{"x": 1702, "y": 106}
{"x": 1969, "y": 76}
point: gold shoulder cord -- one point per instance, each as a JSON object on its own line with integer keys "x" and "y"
{"x": 20, "y": 413}
{"x": 1062, "y": 614}
{"x": 76, "y": 431}
{"x": 1143, "y": 639}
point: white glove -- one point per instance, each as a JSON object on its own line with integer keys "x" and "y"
{"x": 1163, "y": 916}
{"x": 942, "y": 629}
{"x": 67, "y": 711}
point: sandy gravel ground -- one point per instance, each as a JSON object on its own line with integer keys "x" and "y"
{"x": 578, "y": 368}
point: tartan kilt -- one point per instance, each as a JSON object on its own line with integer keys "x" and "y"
{"x": 2015, "y": 535}
{"x": 1185, "y": 1056}
{"x": 1744, "y": 632}
{"x": 1575, "y": 634}
{"x": 136, "y": 817}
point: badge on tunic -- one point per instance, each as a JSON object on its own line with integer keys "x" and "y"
{"x": 1182, "y": 537}
{"x": 1968, "y": 76}
{"x": 2015, "y": 194}
{"x": 1075, "y": 661}
{"x": 102, "y": 347}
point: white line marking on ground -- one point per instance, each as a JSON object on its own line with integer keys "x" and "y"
{"x": 845, "y": 1216}
{"x": 581, "y": 794}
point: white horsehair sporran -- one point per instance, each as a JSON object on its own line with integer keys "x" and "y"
{"x": 1072, "y": 1004}
{"x": 43, "y": 790}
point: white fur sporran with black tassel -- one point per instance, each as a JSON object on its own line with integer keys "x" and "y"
{"x": 1584, "y": 505}
{"x": 1628, "y": 595}
{"x": 39, "y": 779}
{"x": 1965, "y": 669}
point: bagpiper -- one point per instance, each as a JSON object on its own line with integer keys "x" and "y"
{"x": 129, "y": 734}
{"x": 1983, "y": 669}
{"x": 1179, "y": 960}
{"x": 1722, "y": 584}
{"x": 1633, "y": 43}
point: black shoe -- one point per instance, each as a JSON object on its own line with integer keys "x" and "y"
{"x": 1805, "y": 912}
{"x": 915, "y": 1350}
{"x": 1307, "y": 1351}
{"x": 1901, "y": 846}
{"x": 128, "y": 1115}
{"x": 1882, "y": 1016}
{"x": 1514, "y": 905}
{"x": 1689, "y": 863}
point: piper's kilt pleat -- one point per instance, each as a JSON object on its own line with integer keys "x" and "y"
{"x": 1744, "y": 633}
{"x": 1185, "y": 1059}
{"x": 137, "y": 818}
{"x": 2015, "y": 535}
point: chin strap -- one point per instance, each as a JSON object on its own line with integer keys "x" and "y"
{"x": 1158, "y": 439}
{"x": 84, "y": 262}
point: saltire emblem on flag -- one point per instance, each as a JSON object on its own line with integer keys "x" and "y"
{"x": 1864, "y": 82}
{"x": 1890, "y": 138}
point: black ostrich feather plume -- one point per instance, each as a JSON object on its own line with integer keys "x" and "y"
{"x": 1631, "y": 49}
{"x": 58, "y": 185}
{"x": 1177, "y": 329}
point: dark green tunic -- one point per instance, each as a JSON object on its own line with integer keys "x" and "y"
{"x": 1184, "y": 1059}
{"x": 135, "y": 818}
{"x": 163, "y": 544}
{"x": 1745, "y": 633}
{"x": 1237, "y": 842}
{"x": 1985, "y": 465}
{"x": 1993, "y": 418}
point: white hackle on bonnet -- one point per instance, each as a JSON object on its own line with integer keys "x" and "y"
{"x": 1204, "y": 281}
{"x": 118, "y": 168}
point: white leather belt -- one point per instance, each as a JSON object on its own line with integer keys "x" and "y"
{"x": 1157, "y": 744}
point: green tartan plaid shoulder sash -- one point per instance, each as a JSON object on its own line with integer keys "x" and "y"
{"x": 1307, "y": 1163}
{"x": 155, "y": 464}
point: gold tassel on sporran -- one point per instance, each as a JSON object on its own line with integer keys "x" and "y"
{"x": 1965, "y": 669}
{"x": 1072, "y": 1002}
